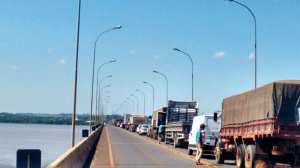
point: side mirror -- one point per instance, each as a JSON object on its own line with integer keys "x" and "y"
{"x": 215, "y": 117}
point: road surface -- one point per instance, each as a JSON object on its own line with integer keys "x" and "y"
{"x": 120, "y": 148}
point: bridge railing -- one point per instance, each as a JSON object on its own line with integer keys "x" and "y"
{"x": 78, "y": 155}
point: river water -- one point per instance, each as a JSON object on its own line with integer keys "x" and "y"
{"x": 52, "y": 140}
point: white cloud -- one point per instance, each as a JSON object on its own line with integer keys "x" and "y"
{"x": 219, "y": 54}
{"x": 132, "y": 52}
{"x": 62, "y": 62}
{"x": 157, "y": 57}
{"x": 251, "y": 56}
{"x": 14, "y": 67}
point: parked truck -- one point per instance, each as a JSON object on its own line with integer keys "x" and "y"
{"x": 126, "y": 120}
{"x": 179, "y": 121}
{"x": 261, "y": 127}
{"x": 117, "y": 121}
{"x": 158, "y": 118}
{"x": 135, "y": 120}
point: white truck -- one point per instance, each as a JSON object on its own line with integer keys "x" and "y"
{"x": 211, "y": 130}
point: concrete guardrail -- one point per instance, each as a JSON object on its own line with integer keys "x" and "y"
{"x": 78, "y": 155}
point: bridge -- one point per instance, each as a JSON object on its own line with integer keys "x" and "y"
{"x": 112, "y": 146}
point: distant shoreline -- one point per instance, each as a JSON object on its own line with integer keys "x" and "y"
{"x": 39, "y": 118}
{"x": 43, "y": 124}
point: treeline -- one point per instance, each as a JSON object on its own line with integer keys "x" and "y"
{"x": 110, "y": 117}
{"x": 31, "y": 118}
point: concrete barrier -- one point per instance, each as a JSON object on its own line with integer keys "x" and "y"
{"x": 78, "y": 155}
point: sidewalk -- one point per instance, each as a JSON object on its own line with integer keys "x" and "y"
{"x": 101, "y": 158}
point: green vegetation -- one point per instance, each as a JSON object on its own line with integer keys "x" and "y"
{"x": 110, "y": 117}
{"x": 31, "y": 118}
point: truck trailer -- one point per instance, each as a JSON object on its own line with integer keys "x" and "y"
{"x": 135, "y": 120}
{"x": 158, "y": 118}
{"x": 126, "y": 120}
{"x": 179, "y": 121}
{"x": 261, "y": 127}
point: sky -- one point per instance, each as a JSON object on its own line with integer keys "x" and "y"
{"x": 38, "y": 44}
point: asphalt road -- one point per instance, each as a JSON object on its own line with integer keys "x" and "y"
{"x": 122, "y": 148}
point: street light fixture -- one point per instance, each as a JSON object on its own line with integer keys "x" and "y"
{"x": 102, "y": 101}
{"x": 100, "y": 97}
{"x": 166, "y": 81}
{"x": 255, "y": 59}
{"x": 99, "y": 93}
{"x": 144, "y": 99}
{"x": 153, "y": 94}
{"x": 132, "y": 105}
{"x": 129, "y": 105}
{"x": 112, "y": 61}
{"x": 176, "y": 49}
{"x": 94, "y": 59}
{"x": 137, "y": 104}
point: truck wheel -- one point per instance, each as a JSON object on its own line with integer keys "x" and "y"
{"x": 190, "y": 152}
{"x": 250, "y": 156}
{"x": 240, "y": 156}
{"x": 219, "y": 154}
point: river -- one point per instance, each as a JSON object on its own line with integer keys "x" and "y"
{"x": 52, "y": 140}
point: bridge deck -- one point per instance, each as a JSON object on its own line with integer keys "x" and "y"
{"x": 131, "y": 151}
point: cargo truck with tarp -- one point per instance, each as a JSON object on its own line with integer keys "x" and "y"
{"x": 179, "y": 121}
{"x": 261, "y": 127}
{"x": 158, "y": 118}
{"x": 135, "y": 120}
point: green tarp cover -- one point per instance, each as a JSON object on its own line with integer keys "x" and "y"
{"x": 279, "y": 100}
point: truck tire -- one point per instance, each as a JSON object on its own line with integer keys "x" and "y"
{"x": 240, "y": 156}
{"x": 190, "y": 152}
{"x": 250, "y": 156}
{"x": 219, "y": 153}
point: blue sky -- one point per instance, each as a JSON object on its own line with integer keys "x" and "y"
{"x": 38, "y": 40}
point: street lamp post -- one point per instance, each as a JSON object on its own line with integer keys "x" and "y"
{"x": 94, "y": 59}
{"x": 137, "y": 103}
{"x": 132, "y": 105}
{"x": 255, "y": 63}
{"x": 97, "y": 94}
{"x": 102, "y": 100}
{"x": 144, "y": 99}
{"x": 166, "y": 82}
{"x": 176, "y": 49}
{"x": 153, "y": 94}
{"x": 126, "y": 108}
{"x": 129, "y": 106}
{"x": 75, "y": 76}
{"x": 112, "y": 61}
{"x": 100, "y": 96}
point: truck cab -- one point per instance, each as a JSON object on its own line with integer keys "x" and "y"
{"x": 211, "y": 130}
